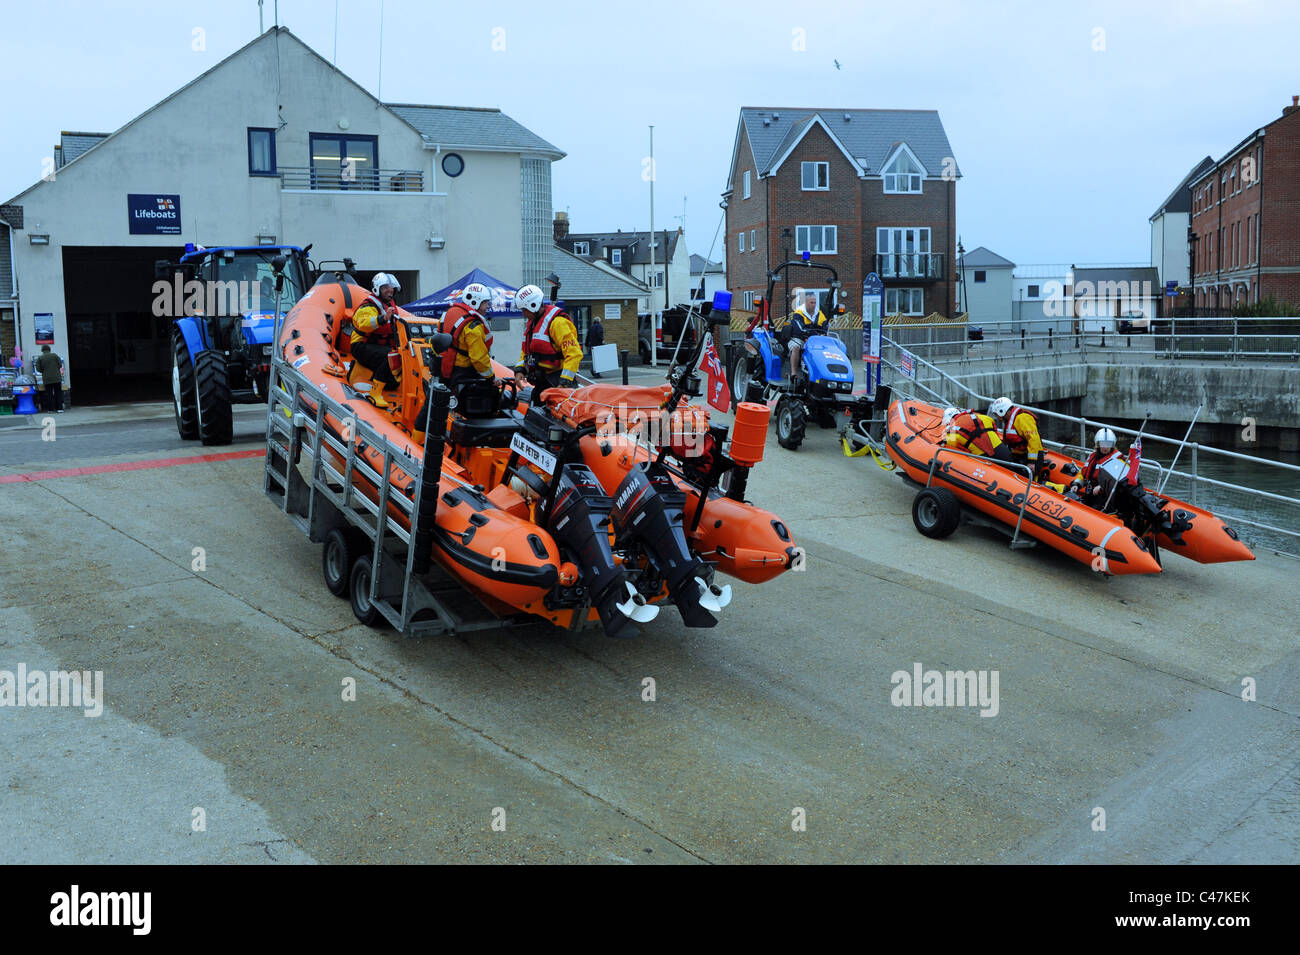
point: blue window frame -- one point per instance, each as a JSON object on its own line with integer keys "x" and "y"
{"x": 261, "y": 151}
{"x": 344, "y": 161}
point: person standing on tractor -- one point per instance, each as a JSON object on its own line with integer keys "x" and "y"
{"x": 974, "y": 433}
{"x": 807, "y": 319}
{"x": 373, "y": 337}
{"x": 551, "y": 353}
{"x": 469, "y": 357}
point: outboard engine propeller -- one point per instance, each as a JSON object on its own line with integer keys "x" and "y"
{"x": 579, "y": 521}
{"x": 649, "y": 507}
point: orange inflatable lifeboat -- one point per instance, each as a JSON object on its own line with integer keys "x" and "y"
{"x": 533, "y": 514}
{"x": 952, "y": 481}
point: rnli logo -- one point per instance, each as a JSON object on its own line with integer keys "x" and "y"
{"x": 165, "y": 204}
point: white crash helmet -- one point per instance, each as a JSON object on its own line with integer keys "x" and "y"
{"x": 384, "y": 278}
{"x": 529, "y": 298}
{"x": 1105, "y": 440}
{"x": 948, "y": 415}
{"x": 1000, "y": 407}
{"x": 476, "y": 295}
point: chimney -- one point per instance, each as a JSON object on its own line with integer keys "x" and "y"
{"x": 561, "y": 225}
{"x": 1295, "y": 104}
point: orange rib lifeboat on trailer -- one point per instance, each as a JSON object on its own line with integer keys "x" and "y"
{"x": 914, "y": 438}
{"x": 521, "y": 521}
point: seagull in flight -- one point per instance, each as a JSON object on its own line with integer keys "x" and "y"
{"x": 837, "y": 64}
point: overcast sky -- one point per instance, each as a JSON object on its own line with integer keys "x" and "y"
{"x": 1071, "y": 121}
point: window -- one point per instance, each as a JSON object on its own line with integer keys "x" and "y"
{"x": 903, "y": 252}
{"x": 1032, "y": 291}
{"x": 261, "y": 152}
{"x": 582, "y": 248}
{"x": 746, "y": 187}
{"x": 817, "y": 239}
{"x": 909, "y": 301}
{"x": 749, "y": 299}
{"x": 742, "y": 242}
{"x": 344, "y": 162}
{"x": 753, "y": 240}
{"x": 903, "y": 174}
{"x": 815, "y": 175}
{"x": 453, "y": 165}
{"x": 980, "y": 275}
{"x": 616, "y": 256}
{"x": 656, "y": 280}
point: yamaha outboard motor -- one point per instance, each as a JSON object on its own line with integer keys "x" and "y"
{"x": 579, "y": 522}
{"x": 648, "y": 506}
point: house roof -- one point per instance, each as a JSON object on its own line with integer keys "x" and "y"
{"x": 580, "y": 280}
{"x": 485, "y": 121}
{"x": 1129, "y": 274}
{"x": 1180, "y": 200}
{"x": 870, "y": 136}
{"x": 470, "y": 127}
{"x": 638, "y": 244}
{"x": 72, "y": 145}
{"x": 982, "y": 257}
{"x": 700, "y": 264}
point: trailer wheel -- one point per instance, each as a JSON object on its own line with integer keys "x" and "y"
{"x": 184, "y": 398}
{"x": 342, "y": 547}
{"x": 936, "y": 512}
{"x": 790, "y": 423}
{"x": 359, "y": 588}
{"x": 216, "y": 414}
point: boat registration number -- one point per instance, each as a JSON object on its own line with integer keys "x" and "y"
{"x": 532, "y": 453}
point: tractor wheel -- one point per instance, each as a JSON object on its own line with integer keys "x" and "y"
{"x": 216, "y": 415}
{"x": 790, "y": 423}
{"x": 936, "y": 512}
{"x": 343, "y": 546}
{"x": 748, "y": 371}
{"x": 359, "y": 590}
{"x": 184, "y": 398}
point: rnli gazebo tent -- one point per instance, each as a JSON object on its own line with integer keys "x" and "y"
{"x": 503, "y": 297}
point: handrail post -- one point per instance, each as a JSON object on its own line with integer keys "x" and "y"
{"x": 1195, "y": 474}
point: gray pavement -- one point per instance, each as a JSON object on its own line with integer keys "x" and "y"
{"x": 225, "y": 689}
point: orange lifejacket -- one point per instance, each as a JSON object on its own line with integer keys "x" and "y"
{"x": 978, "y": 437}
{"x": 384, "y": 334}
{"x": 458, "y": 319}
{"x": 537, "y": 336}
{"x": 1008, "y": 433}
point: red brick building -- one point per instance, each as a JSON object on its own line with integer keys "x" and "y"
{"x": 863, "y": 190}
{"x": 1245, "y": 226}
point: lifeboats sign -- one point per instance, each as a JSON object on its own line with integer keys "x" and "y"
{"x": 153, "y": 214}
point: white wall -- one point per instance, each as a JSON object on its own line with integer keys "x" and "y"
{"x": 195, "y": 145}
{"x": 1169, "y": 247}
{"x": 990, "y": 300}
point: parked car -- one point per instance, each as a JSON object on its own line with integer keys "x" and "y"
{"x": 1132, "y": 323}
{"x": 975, "y": 333}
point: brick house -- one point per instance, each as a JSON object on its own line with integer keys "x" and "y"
{"x": 863, "y": 190}
{"x": 1245, "y": 224}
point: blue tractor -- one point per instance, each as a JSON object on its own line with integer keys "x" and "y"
{"x": 226, "y": 300}
{"x": 823, "y": 389}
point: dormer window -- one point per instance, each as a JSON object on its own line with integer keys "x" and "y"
{"x": 903, "y": 174}
{"x": 616, "y": 257}
{"x": 582, "y": 248}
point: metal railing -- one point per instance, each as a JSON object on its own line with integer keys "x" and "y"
{"x": 926, "y": 266}
{"x": 346, "y": 179}
{"x": 1274, "y": 518}
{"x": 1273, "y": 340}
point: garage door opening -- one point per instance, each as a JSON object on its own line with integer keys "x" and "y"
{"x": 117, "y": 350}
